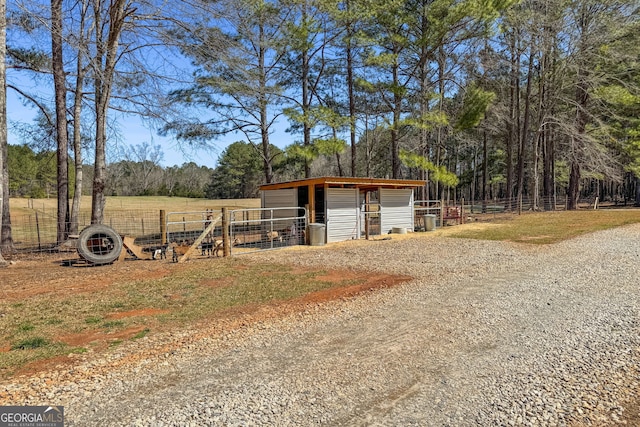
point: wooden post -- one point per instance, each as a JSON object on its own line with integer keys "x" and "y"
{"x": 442, "y": 213}
{"x": 163, "y": 226}
{"x": 308, "y": 219}
{"x": 226, "y": 244}
{"x": 312, "y": 203}
{"x": 195, "y": 244}
{"x": 367, "y": 199}
{"x": 38, "y": 230}
{"x": 462, "y": 211}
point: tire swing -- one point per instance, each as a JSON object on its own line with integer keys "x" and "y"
{"x": 99, "y": 244}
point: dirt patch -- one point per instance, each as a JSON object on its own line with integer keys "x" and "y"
{"x": 340, "y": 276}
{"x": 101, "y": 337}
{"x": 97, "y": 341}
{"x": 369, "y": 282}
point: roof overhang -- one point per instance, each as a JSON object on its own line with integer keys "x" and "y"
{"x": 346, "y": 182}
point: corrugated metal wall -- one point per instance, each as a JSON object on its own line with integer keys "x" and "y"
{"x": 396, "y": 209}
{"x": 343, "y": 214}
{"x": 285, "y": 198}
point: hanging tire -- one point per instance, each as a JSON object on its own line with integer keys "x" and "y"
{"x": 99, "y": 244}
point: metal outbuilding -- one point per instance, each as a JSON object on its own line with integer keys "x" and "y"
{"x": 343, "y": 204}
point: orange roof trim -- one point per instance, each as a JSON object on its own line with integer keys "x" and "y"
{"x": 348, "y": 182}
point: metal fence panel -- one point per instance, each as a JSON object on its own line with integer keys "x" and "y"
{"x": 253, "y": 230}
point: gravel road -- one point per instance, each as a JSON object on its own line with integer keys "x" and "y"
{"x": 488, "y": 333}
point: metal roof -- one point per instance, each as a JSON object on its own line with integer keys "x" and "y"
{"x": 346, "y": 182}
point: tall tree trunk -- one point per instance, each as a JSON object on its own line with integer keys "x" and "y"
{"x": 485, "y": 171}
{"x": 425, "y": 84}
{"x": 351, "y": 94}
{"x": 306, "y": 101}
{"x": 77, "y": 157}
{"x": 522, "y": 154}
{"x": 573, "y": 191}
{"x": 512, "y": 121}
{"x": 548, "y": 181}
{"x": 107, "y": 51}
{"x": 438, "y": 193}
{"x": 338, "y": 161}
{"x": 77, "y": 128}
{"x": 397, "y": 111}
{"x": 582, "y": 101}
{"x": 264, "y": 118}
{"x": 3, "y": 111}
{"x": 60, "y": 89}
{"x": 395, "y": 135}
{"x": 546, "y": 134}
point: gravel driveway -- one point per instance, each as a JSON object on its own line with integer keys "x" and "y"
{"x": 488, "y": 333}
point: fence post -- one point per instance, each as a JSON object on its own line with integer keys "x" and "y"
{"x": 38, "y": 231}
{"x": 367, "y": 199}
{"x": 226, "y": 244}
{"x": 520, "y": 205}
{"x": 163, "y": 227}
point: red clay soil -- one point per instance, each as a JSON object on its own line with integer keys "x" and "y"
{"x": 34, "y": 278}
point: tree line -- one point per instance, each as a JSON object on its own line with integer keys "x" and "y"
{"x": 33, "y": 175}
{"x": 536, "y": 99}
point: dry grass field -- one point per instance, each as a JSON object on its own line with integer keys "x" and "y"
{"x": 34, "y": 227}
{"x": 20, "y": 206}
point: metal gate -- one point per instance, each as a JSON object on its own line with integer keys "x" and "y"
{"x": 185, "y": 227}
{"x": 252, "y": 230}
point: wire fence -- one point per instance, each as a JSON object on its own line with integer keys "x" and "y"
{"x": 250, "y": 229}
{"x": 37, "y": 231}
{"x": 254, "y": 229}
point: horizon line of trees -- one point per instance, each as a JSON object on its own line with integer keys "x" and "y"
{"x": 237, "y": 175}
{"x": 530, "y": 98}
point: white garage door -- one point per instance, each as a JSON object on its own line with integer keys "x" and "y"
{"x": 396, "y": 209}
{"x": 343, "y": 211}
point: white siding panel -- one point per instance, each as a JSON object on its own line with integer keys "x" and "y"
{"x": 284, "y": 198}
{"x": 396, "y": 209}
{"x": 343, "y": 211}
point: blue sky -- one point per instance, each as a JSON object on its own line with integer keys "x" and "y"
{"x": 134, "y": 132}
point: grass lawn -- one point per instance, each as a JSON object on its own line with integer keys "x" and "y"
{"x": 546, "y": 227}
